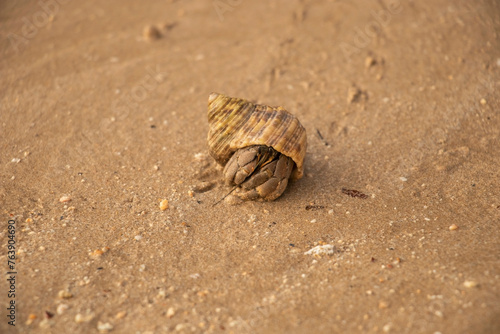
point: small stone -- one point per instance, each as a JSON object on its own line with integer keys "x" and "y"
{"x": 138, "y": 237}
{"x": 453, "y": 227}
{"x": 121, "y": 315}
{"x": 63, "y": 294}
{"x": 470, "y": 284}
{"x": 233, "y": 200}
{"x": 313, "y": 221}
{"x": 320, "y": 250}
{"x": 252, "y": 219}
{"x": 104, "y": 327}
{"x": 151, "y": 33}
{"x": 203, "y": 187}
{"x": 80, "y": 318}
{"x": 45, "y": 323}
{"x": 402, "y": 178}
{"x": 16, "y": 160}
{"x": 200, "y": 156}
{"x": 31, "y": 318}
{"x": 162, "y": 293}
{"x": 354, "y": 94}
{"x": 64, "y": 199}
{"x": 180, "y": 327}
{"x": 370, "y": 61}
{"x": 170, "y": 312}
{"x": 164, "y": 205}
{"x": 483, "y": 102}
{"x": 97, "y": 253}
{"x": 61, "y": 308}
{"x": 383, "y": 305}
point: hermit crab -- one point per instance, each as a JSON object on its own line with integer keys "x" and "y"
{"x": 260, "y": 147}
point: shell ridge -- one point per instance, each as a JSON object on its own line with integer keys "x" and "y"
{"x": 236, "y": 123}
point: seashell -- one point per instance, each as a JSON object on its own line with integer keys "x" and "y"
{"x": 260, "y": 146}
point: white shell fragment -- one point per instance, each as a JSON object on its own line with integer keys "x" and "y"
{"x": 321, "y": 250}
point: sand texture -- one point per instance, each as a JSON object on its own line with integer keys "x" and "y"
{"x": 106, "y": 175}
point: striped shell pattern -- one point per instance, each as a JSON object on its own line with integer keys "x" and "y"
{"x": 236, "y": 123}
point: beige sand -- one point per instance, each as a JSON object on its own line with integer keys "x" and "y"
{"x": 104, "y": 102}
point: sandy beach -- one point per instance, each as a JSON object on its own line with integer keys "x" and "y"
{"x": 107, "y": 186}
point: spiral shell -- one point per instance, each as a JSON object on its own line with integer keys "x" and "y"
{"x": 236, "y": 123}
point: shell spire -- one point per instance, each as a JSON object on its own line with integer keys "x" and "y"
{"x": 237, "y": 123}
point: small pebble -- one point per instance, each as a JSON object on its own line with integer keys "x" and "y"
{"x": 151, "y": 33}
{"x": 353, "y": 94}
{"x": 80, "y": 318}
{"x": 233, "y": 200}
{"x": 370, "y": 61}
{"x": 97, "y": 253}
{"x": 45, "y": 323}
{"x": 470, "y": 284}
{"x": 313, "y": 221}
{"x": 64, "y": 199}
{"x": 170, "y": 312}
{"x": 104, "y": 327}
{"x": 203, "y": 187}
{"x": 164, "y": 205}
{"x": 453, "y": 227}
{"x": 180, "y": 327}
{"x": 320, "y": 250}
{"x": 383, "y": 305}
{"x": 61, "y": 308}
{"x": 138, "y": 237}
{"x": 121, "y": 315}
{"x": 162, "y": 293}
{"x": 483, "y": 102}
{"x": 31, "y": 318}
{"x": 200, "y": 156}
{"x": 404, "y": 179}
{"x": 63, "y": 294}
